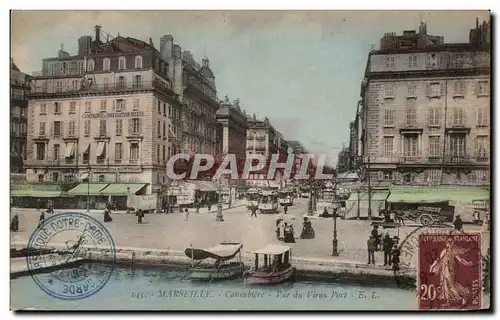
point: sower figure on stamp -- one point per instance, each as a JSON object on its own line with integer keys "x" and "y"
{"x": 444, "y": 266}
{"x": 371, "y": 246}
{"x": 387, "y": 246}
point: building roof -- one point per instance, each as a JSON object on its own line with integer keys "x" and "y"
{"x": 122, "y": 44}
{"x": 207, "y": 72}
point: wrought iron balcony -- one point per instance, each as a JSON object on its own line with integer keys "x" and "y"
{"x": 107, "y": 87}
{"x": 410, "y": 159}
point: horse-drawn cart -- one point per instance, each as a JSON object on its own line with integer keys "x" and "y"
{"x": 424, "y": 215}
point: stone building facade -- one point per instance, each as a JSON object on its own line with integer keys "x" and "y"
{"x": 19, "y": 89}
{"x": 426, "y": 113}
{"x": 195, "y": 86}
{"x": 231, "y": 129}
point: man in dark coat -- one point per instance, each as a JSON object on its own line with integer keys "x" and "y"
{"x": 387, "y": 244}
{"x": 458, "y": 223}
{"x": 140, "y": 215}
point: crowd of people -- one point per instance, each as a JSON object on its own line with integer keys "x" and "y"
{"x": 387, "y": 244}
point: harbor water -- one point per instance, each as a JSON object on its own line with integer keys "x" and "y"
{"x": 164, "y": 289}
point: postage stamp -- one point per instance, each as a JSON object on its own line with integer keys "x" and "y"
{"x": 71, "y": 235}
{"x": 449, "y": 269}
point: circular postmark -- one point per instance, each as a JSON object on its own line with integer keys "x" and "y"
{"x": 71, "y": 236}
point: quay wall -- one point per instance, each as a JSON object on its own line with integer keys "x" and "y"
{"x": 328, "y": 270}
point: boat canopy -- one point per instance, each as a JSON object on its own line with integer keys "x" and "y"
{"x": 222, "y": 252}
{"x": 273, "y": 249}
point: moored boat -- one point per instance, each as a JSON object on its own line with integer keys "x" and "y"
{"x": 222, "y": 269}
{"x": 276, "y": 266}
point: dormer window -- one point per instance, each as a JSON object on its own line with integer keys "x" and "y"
{"x": 138, "y": 62}
{"x": 122, "y": 63}
{"x": 90, "y": 65}
{"x": 106, "y": 64}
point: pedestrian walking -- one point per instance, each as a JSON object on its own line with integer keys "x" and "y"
{"x": 140, "y": 215}
{"x": 253, "y": 209}
{"x": 41, "y": 220}
{"x": 14, "y": 224}
{"x": 458, "y": 223}
{"x": 186, "y": 214}
{"x": 387, "y": 244}
{"x": 38, "y": 204}
{"x": 198, "y": 208}
{"x": 285, "y": 208}
{"x": 107, "y": 215}
{"x": 371, "y": 250}
{"x": 209, "y": 207}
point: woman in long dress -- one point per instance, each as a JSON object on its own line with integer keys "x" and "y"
{"x": 444, "y": 266}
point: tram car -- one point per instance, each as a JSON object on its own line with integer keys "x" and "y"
{"x": 285, "y": 197}
{"x": 268, "y": 202}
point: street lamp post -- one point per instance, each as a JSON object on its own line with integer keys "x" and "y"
{"x": 335, "y": 241}
{"x": 128, "y": 193}
{"x": 219, "y": 217}
{"x": 88, "y": 188}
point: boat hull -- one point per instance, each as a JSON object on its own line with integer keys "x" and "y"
{"x": 260, "y": 277}
{"x": 208, "y": 274}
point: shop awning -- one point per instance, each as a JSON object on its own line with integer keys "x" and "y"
{"x": 454, "y": 195}
{"x": 35, "y": 191}
{"x": 100, "y": 148}
{"x": 70, "y": 150}
{"x": 375, "y": 196}
{"x": 87, "y": 188}
{"x": 86, "y": 149}
{"x": 122, "y": 189}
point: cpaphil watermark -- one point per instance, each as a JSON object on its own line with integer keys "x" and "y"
{"x": 296, "y": 166}
{"x": 72, "y": 234}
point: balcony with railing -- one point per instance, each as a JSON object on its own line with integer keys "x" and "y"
{"x": 410, "y": 159}
{"x": 106, "y": 87}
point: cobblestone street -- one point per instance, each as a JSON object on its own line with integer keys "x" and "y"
{"x": 162, "y": 231}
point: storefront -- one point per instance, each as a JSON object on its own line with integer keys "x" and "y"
{"x": 451, "y": 199}
{"x": 27, "y": 195}
{"x": 117, "y": 193}
{"x": 84, "y": 191}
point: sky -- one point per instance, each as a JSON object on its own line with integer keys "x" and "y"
{"x": 301, "y": 69}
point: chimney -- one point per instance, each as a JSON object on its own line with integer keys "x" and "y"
{"x": 166, "y": 47}
{"x": 97, "y": 34}
{"x": 477, "y": 22}
{"x": 177, "y": 52}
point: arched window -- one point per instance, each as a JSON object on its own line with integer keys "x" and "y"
{"x": 102, "y": 178}
{"x": 106, "y": 64}
{"x": 90, "y": 65}
{"x": 122, "y": 63}
{"x": 138, "y": 62}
